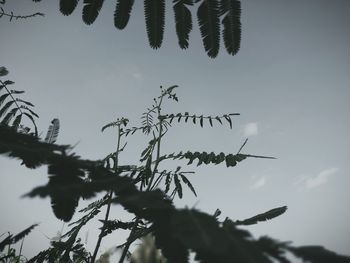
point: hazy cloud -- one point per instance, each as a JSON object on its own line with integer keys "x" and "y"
{"x": 260, "y": 182}
{"x": 137, "y": 75}
{"x": 320, "y": 179}
{"x": 250, "y": 129}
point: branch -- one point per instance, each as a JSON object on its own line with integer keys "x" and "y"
{"x": 12, "y": 16}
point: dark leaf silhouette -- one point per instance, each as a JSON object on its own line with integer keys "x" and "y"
{"x": 52, "y": 133}
{"x": 263, "y": 217}
{"x": 209, "y": 24}
{"x": 183, "y": 21}
{"x": 231, "y": 9}
{"x": 122, "y": 13}
{"x": 9, "y": 240}
{"x": 155, "y": 15}
{"x": 67, "y": 6}
{"x": 91, "y": 10}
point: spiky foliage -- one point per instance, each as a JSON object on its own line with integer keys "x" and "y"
{"x": 231, "y": 10}
{"x": 211, "y": 15}
{"x": 122, "y": 13}
{"x": 11, "y": 239}
{"x": 91, "y": 10}
{"x": 138, "y": 189}
{"x": 13, "y": 108}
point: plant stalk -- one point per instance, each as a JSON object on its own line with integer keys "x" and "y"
{"x": 110, "y": 195}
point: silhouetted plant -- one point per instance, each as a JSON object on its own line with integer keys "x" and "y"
{"x": 142, "y": 191}
{"x": 212, "y": 15}
{"x": 11, "y": 256}
{"x": 12, "y": 16}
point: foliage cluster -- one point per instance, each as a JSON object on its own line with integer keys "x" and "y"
{"x": 145, "y": 190}
{"x": 215, "y": 18}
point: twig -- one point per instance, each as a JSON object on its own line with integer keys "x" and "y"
{"x": 12, "y": 16}
{"x": 240, "y": 149}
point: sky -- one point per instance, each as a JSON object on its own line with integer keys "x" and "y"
{"x": 290, "y": 82}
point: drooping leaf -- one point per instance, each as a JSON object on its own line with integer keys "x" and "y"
{"x": 25, "y": 102}
{"x": 178, "y": 185}
{"x": 9, "y": 116}
{"x": 155, "y": 19}
{"x": 122, "y": 13}
{"x": 67, "y": 6}
{"x": 29, "y": 110}
{"x": 208, "y": 14}
{"x": 91, "y": 10}
{"x": 3, "y": 98}
{"x": 263, "y": 217}
{"x": 231, "y": 9}
{"x": 188, "y": 183}
{"x": 52, "y": 133}
{"x": 6, "y": 107}
{"x": 183, "y": 21}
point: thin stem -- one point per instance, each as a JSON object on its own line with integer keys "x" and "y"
{"x": 2, "y": 83}
{"x": 110, "y": 195}
{"x": 12, "y": 16}
{"x": 240, "y": 149}
{"x": 127, "y": 245}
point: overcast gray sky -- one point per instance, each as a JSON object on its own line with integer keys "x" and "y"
{"x": 290, "y": 82}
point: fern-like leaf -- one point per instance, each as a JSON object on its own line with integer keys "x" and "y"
{"x": 231, "y": 9}
{"x": 6, "y": 107}
{"x": 122, "y": 13}
{"x": 155, "y": 19}
{"x": 263, "y": 217}
{"x": 91, "y": 10}
{"x": 67, "y": 6}
{"x": 208, "y": 14}
{"x": 14, "y": 239}
{"x": 183, "y": 21}
{"x": 52, "y": 132}
{"x": 3, "y": 98}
